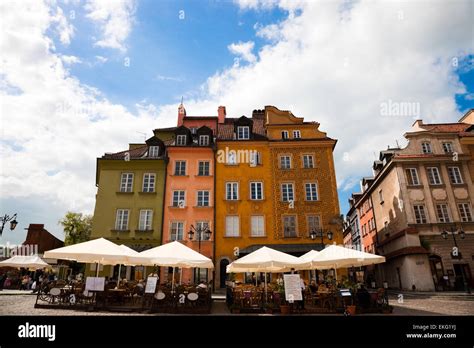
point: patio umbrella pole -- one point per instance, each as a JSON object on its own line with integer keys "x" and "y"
{"x": 180, "y": 275}
{"x": 97, "y": 270}
{"x": 118, "y": 277}
{"x": 172, "y": 282}
{"x": 265, "y": 287}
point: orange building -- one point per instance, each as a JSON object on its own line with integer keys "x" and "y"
{"x": 189, "y": 192}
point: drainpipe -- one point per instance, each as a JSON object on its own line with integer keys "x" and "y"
{"x": 214, "y": 222}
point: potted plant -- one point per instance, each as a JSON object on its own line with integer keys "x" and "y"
{"x": 284, "y": 305}
{"x": 352, "y": 308}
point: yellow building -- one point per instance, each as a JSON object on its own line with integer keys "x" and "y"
{"x": 129, "y": 201}
{"x": 291, "y": 164}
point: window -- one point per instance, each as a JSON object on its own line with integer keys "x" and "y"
{"x": 381, "y": 196}
{"x": 181, "y": 140}
{"x": 203, "y": 140}
{"x": 296, "y": 134}
{"x": 203, "y": 168}
{"x": 232, "y": 191}
{"x": 243, "y": 132}
{"x": 255, "y": 158}
{"x": 176, "y": 230}
{"x": 231, "y": 226}
{"x": 232, "y": 157}
{"x": 153, "y": 151}
{"x": 285, "y": 162}
{"x": 149, "y": 182}
{"x": 420, "y": 216}
{"x": 126, "y": 182}
{"x": 179, "y": 199}
{"x": 311, "y": 190}
{"x": 203, "y": 198}
{"x": 308, "y": 161}
{"x": 257, "y": 226}
{"x": 193, "y": 130}
{"x": 465, "y": 212}
{"x": 202, "y": 226}
{"x": 180, "y": 168}
{"x": 287, "y": 193}
{"x": 412, "y": 176}
{"x": 426, "y": 147}
{"x": 313, "y": 223}
{"x": 121, "y": 219}
{"x": 289, "y": 226}
{"x": 448, "y": 147}
{"x": 443, "y": 214}
{"x": 256, "y": 190}
{"x": 145, "y": 222}
{"x": 455, "y": 175}
{"x": 433, "y": 176}
{"x": 284, "y": 135}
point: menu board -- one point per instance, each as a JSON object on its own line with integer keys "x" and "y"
{"x": 151, "y": 285}
{"x": 292, "y": 287}
{"x": 95, "y": 283}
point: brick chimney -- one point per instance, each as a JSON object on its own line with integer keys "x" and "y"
{"x": 221, "y": 114}
{"x": 181, "y": 114}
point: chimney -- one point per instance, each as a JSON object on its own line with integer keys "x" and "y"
{"x": 221, "y": 114}
{"x": 181, "y": 114}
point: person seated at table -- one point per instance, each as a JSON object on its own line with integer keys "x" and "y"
{"x": 322, "y": 288}
{"x": 313, "y": 286}
{"x": 202, "y": 285}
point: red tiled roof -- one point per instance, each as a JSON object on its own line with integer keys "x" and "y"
{"x": 226, "y": 131}
{"x": 446, "y": 127}
{"x": 134, "y": 154}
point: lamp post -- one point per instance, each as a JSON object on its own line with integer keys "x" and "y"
{"x": 313, "y": 235}
{"x": 454, "y": 230}
{"x": 200, "y": 230}
{"x": 5, "y": 219}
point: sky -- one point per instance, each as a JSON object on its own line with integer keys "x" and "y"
{"x": 81, "y": 78}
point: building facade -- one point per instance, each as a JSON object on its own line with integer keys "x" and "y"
{"x": 419, "y": 195}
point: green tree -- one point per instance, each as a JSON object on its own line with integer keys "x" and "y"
{"x": 77, "y": 227}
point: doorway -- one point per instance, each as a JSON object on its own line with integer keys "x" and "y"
{"x": 461, "y": 269}
{"x": 437, "y": 272}
{"x": 223, "y": 274}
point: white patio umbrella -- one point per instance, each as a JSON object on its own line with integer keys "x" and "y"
{"x": 335, "y": 256}
{"x": 176, "y": 254}
{"x": 100, "y": 251}
{"x": 266, "y": 260}
{"x": 23, "y": 261}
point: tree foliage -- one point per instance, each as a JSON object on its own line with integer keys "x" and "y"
{"x": 77, "y": 227}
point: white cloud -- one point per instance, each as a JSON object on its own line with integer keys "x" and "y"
{"x": 243, "y": 50}
{"x": 101, "y": 59}
{"x": 70, "y": 59}
{"x": 56, "y": 125}
{"x": 115, "y": 19}
{"x": 64, "y": 29}
{"x": 168, "y": 78}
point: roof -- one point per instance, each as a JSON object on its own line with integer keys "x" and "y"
{"x": 169, "y": 129}
{"x": 137, "y": 153}
{"x": 225, "y": 131}
{"x": 446, "y": 127}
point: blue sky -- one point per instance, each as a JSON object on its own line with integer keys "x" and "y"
{"x": 68, "y": 95}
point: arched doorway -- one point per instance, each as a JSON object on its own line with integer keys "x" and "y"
{"x": 437, "y": 272}
{"x": 222, "y": 272}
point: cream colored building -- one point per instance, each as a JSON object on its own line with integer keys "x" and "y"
{"x": 418, "y": 192}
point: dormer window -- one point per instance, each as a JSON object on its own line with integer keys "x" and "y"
{"x": 154, "y": 151}
{"x": 193, "y": 130}
{"x": 203, "y": 140}
{"x": 426, "y": 147}
{"x": 284, "y": 134}
{"x": 243, "y": 133}
{"x": 181, "y": 140}
{"x": 296, "y": 134}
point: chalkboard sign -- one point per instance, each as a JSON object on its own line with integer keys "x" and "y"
{"x": 151, "y": 285}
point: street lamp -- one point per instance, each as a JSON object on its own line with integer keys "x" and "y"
{"x": 5, "y": 219}
{"x": 313, "y": 235}
{"x": 200, "y": 230}
{"x": 453, "y": 230}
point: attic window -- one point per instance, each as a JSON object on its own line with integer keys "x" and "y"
{"x": 296, "y": 134}
{"x": 203, "y": 140}
{"x": 284, "y": 134}
{"x": 153, "y": 151}
{"x": 181, "y": 140}
{"x": 243, "y": 133}
{"x": 193, "y": 130}
{"x": 426, "y": 147}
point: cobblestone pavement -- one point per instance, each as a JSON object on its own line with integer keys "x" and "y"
{"x": 437, "y": 305}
